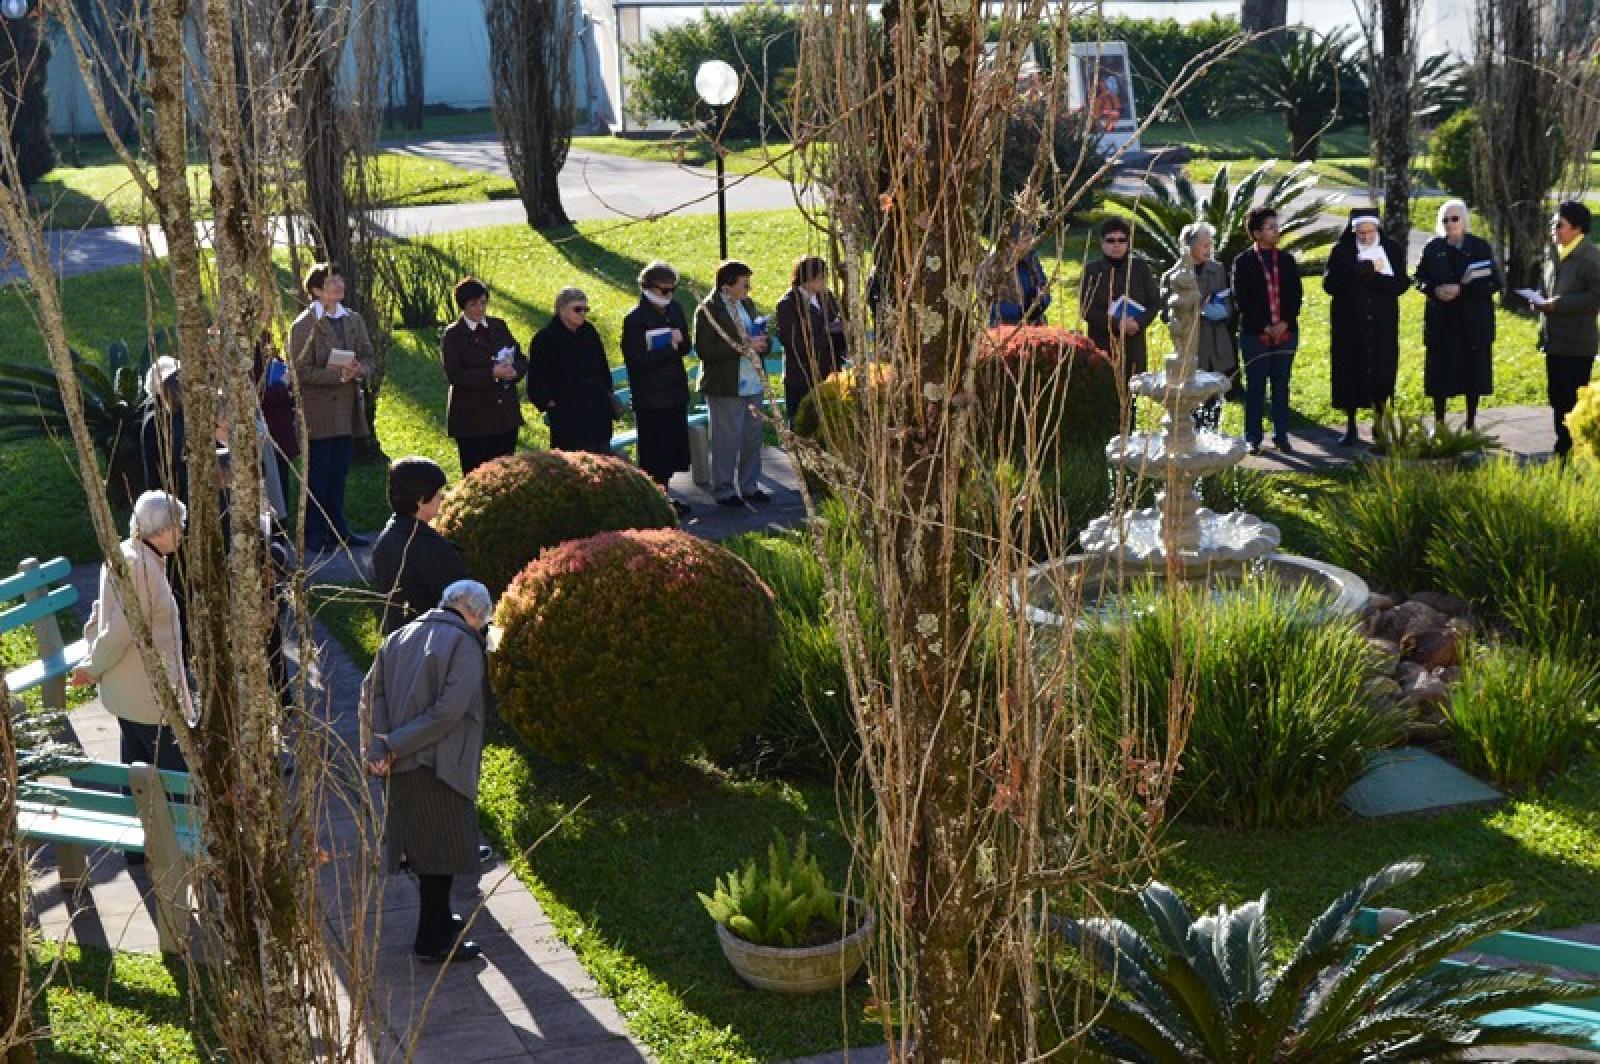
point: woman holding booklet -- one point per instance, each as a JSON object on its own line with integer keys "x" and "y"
{"x": 1458, "y": 275}
{"x": 331, "y": 354}
{"x": 655, "y": 341}
{"x": 1118, "y": 297}
{"x": 1366, "y": 277}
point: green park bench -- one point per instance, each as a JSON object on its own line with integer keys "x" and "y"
{"x": 40, "y": 602}
{"x": 699, "y": 420}
{"x": 88, "y": 811}
{"x": 1557, "y": 957}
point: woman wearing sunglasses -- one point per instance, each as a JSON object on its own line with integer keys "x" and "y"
{"x": 1458, "y": 275}
{"x": 569, "y": 379}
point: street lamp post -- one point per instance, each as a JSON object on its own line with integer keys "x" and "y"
{"x": 718, "y": 83}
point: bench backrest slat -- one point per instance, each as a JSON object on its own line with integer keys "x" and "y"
{"x": 114, "y": 774}
{"x": 51, "y": 571}
{"x": 28, "y": 612}
{"x": 79, "y": 798}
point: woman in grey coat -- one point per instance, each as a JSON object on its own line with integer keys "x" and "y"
{"x": 427, "y": 696}
{"x": 1214, "y": 344}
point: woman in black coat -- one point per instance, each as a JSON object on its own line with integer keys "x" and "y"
{"x": 411, "y": 563}
{"x": 655, "y": 341}
{"x": 810, "y": 330}
{"x": 569, "y": 379}
{"x": 1458, "y": 275}
{"x": 1366, "y": 277}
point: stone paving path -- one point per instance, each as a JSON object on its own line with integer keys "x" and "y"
{"x": 1525, "y": 431}
{"x": 528, "y": 998}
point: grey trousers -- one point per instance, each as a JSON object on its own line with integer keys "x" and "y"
{"x": 735, "y": 444}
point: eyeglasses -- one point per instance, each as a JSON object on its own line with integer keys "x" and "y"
{"x": 579, "y": 310}
{"x": 1114, "y": 240}
{"x": 666, "y": 289}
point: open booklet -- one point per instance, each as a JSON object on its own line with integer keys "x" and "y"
{"x": 1378, "y": 257}
{"x": 1477, "y": 271}
{"x": 1535, "y": 299}
{"x": 340, "y": 357}
{"x": 1123, "y": 306}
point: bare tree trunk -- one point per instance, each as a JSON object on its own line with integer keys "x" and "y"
{"x": 114, "y": 31}
{"x": 409, "y": 57}
{"x": 530, "y": 57}
{"x": 1390, "y": 29}
{"x": 16, "y": 996}
{"x": 1264, "y": 16}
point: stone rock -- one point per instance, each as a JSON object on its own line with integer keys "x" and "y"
{"x": 1385, "y": 653}
{"x": 1407, "y": 673}
{"x": 1445, "y": 603}
{"x": 1461, "y": 626}
{"x": 1452, "y": 675}
{"x": 1382, "y": 689}
{"x": 1434, "y": 648}
{"x": 1414, "y": 617}
{"x": 1422, "y": 732}
{"x": 1427, "y": 690}
{"x": 1378, "y": 603}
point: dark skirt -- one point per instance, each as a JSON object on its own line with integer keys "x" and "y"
{"x": 433, "y": 827}
{"x": 663, "y": 442}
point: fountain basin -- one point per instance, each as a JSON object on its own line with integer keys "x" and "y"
{"x": 1195, "y": 389}
{"x": 1146, "y": 452}
{"x": 1225, "y": 539}
{"x": 1091, "y": 583}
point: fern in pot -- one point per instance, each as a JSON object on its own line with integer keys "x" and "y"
{"x": 783, "y": 928}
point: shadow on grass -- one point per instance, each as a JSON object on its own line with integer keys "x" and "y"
{"x": 629, "y": 869}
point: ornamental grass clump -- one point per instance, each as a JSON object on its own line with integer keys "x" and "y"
{"x": 1518, "y": 713}
{"x": 634, "y": 650}
{"x": 1280, "y": 720}
{"x": 505, "y": 512}
{"x": 1382, "y": 527}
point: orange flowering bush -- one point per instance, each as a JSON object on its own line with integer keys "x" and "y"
{"x": 635, "y": 649}
{"x": 506, "y": 511}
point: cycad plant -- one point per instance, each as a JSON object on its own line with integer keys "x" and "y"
{"x": 1165, "y": 207}
{"x": 1311, "y": 79}
{"x": 788, "y": 906}
{"x": 1206, "y": 989}
{"x": 32, "y": 404}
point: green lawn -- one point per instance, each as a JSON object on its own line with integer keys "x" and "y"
{"x": 112, "y": 1008}
{"x": 743, "y": 156}
{"x": 1333, "y": 171}
{"x": 44, "y": 514}
{"x": 104, "y": 194}
{"x": 1257, "y": 136}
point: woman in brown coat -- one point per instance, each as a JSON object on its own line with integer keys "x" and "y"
{"x": 335, "y": 408}
{"x": 483, "y": 363}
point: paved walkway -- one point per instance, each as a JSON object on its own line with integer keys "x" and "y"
{"x": 1525, "y": 431}
{"x": 593, "y": 185}
{"x": 529, "y": 998}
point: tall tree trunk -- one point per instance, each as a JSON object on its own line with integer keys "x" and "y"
{"x": 530, "y": 56}
{"x": 24, "y": 59}
{"x": 409, "y": 59}
{"x": 1264, "y": 16}
{"x": 1392, "y": 71}
{"x": 16, "y": 1019}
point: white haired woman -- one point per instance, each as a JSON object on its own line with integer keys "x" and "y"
{"x": 127, "y": 690}
{"x": 1458, "y": 275}
{"x": 1214, "y": 343}
{"x": 426, "y": 698}
{"x": 569, "y": 379}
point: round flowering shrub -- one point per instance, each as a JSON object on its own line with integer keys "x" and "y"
{"x": 1584, "y": 422}
{"x": 1054, "y": 377}
{"x": 506, "y": 511}
{"x": 632, "y": 650}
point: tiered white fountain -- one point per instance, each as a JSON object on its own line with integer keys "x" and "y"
{"x": 1178, "y": 538}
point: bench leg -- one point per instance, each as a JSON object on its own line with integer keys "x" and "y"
{"x": 69, "y": 860}
{"x": 168, "y": 864}
{"x": 699, "y": 456}
{"x": 172, "y": 905}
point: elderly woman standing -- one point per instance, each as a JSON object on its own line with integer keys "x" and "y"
{"x": 811, "y": 331}
{"x": 730, "y": 339}
{"x": 426, "y": 697}
{"x": 1214, "y": 344}
{"x": 569, "y": 379}
{"x": 128, "y": 692}
{"x": 482, "y": 363}
{"x": 1366, "y": 278}
{"x": 655, "y": 341}
{"x": 1458, "y": 275}
{"x": 411, "y": 563}
{"x": 331, "y": 354}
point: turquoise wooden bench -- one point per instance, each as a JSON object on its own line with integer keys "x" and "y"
{"x": 1553, "y": 956}
{"x": 40, "y": 602}
{"x": 88, "y": 812}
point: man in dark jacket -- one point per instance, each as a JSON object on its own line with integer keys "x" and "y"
{"x": 411, "y": 563}
{"x": 730, "y": 338}
{"x": 483, "y": 364}
{"x": 655, "y": 341}
{"x": 1266, "y": 289}
{"x": 1119, "y": 275}
{"x": 1569, "y": 333}
{"x": 810, "y": 329}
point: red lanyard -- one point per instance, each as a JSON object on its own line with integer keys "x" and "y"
{"x": 1272, "y": 283}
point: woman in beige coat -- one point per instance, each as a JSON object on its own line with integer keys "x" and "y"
{"x": 332, "y": 399}
{"x": 128, "y": 692}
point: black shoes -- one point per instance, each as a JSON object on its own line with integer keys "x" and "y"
{"x": 731, "y": 502}
{"x": 1254, "y": 448}
{"x": 758, "y": 497}
{"x": 1350, "y": 439}
{"x": 682, "y": 509}
{"x": 464, "y": 951}
{"x": 1283, "y": 444}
